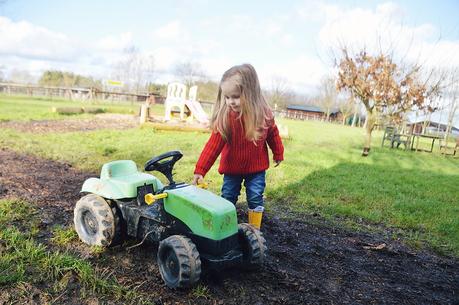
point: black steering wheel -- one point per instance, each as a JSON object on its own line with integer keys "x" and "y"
{"x": 164, "y": 164}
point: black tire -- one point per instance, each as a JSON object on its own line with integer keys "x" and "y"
{"x": 253, "y": 246}
{"x": 97, "y": 221}
{"x": 179, "y": 262}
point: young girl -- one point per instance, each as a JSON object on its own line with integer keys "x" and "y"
{"x": 242, "y": 124}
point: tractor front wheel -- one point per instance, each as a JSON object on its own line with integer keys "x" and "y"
{"x": 96, "y": 221}
{"x": 179, "y": 262}
{"x": 253, "y": 246}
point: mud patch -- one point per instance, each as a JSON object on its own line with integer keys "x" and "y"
{"x": 100, "y": 121}
{"x": 309, "y": 262}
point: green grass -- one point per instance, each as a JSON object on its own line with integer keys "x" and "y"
{"x": 414, "y": 193}
{"x": 63, "y": 236}
{"x": 23, "y": 259}
{"x": 40, "y": 108}
{"x": 201, "y": 291}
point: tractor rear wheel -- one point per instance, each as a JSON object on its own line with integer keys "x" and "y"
{"x": 179, "y": 262}
{"x": 253, "y": 246}
{"x": 96, "y": 221}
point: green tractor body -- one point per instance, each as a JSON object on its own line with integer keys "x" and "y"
{"x": 191, "y": 225}
{"x": 205, "y": 213}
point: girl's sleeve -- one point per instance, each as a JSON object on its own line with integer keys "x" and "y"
{"x": 209, "y": 154}
{"x": 275, "y": 142}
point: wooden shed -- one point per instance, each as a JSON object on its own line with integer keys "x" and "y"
{"x": 309, "y": 112}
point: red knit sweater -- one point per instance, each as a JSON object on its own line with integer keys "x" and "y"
{"x": 240, "y": 156}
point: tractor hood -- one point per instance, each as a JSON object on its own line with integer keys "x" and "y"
{"x": 206, "y": 214}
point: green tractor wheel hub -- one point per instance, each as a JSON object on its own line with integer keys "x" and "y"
{"x": 90, "y": 222}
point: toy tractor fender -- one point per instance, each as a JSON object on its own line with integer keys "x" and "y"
{"x": 118, "y": 180}
{"x": 105, "y": 189}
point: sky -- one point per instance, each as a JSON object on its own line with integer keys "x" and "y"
{"x": 288, "y": 40}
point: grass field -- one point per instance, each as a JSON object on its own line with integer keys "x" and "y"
{"x": 413, "y": 194}
{"x": 40, "y": 108}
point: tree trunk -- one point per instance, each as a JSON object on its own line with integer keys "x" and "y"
{"x": 369, "y": 126}
{"x": 67, "y": 110}
{"x": 449, "y": 126}
{"x": 354, "y": 119}
{"x": 344, "y": 120}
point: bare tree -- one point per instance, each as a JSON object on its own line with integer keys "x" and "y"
{"x": 135, "y": 69}
{"x": 143, "y": 68}
{"x": 356, "y": 111}
{"x": 328, "y": 96}
{"x": 453, "y": 96}
{"x": 21, "y": 76}
{"x": 189, "y": 72}
{"x": 346, "y": 106}
{"x": 279, "y": 95}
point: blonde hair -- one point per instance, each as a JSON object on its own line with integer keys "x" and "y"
{"x": 254, "y": 108}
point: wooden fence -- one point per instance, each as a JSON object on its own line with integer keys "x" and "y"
{"x": 72, "y": 93}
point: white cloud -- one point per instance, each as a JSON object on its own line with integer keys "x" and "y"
{"x": 442, "y": 53}
{"x": 165, "y": 57}
{"x": 383, "y": 29}
{"x": 30, "y": 41}
{"x": 172, "y": 31}
{"x": 215, "y": 66}
{"x": 303, "y": 72}
{"x": 311, "y": 10}
{"x": 28, "y": 47}
{"x": 356, "y": 27}
{"x": 114, "y": 43}
{"x": 273, "y": 28}
{"x": 390, "y": 9}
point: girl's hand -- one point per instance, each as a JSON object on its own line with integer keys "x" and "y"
{"x": 198, "y": 179}
{"x": 277, "y": 163}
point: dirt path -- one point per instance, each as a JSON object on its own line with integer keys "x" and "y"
{"x": 100, "y": 121}
{"x": 310, "y": 262}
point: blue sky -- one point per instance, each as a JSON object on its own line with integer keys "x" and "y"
{"x": 282, "y": 39}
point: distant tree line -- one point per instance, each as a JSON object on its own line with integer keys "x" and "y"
{"x": 68, "y": 79}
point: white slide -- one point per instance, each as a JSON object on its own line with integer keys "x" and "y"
{"x": 197, "y": 111}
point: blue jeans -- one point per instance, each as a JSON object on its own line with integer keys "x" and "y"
{"x": 254, "y": 188}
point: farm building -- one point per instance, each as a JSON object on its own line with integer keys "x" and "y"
{"x": 435, "y": 123}
{"x": 309, "y": 112}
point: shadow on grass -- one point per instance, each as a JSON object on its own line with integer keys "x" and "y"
{"x": 420, "y": 202}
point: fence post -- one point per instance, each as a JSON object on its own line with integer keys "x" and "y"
{"x": 143, "y": 113}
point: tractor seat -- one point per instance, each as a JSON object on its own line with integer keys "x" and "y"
{"x": 126, "y": 177}
{"x": 116, "y": 169}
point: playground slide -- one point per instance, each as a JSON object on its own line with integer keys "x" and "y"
{"x": 197, "y": 111}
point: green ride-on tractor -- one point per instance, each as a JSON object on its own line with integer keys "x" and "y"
{"x": 191, "y": 224}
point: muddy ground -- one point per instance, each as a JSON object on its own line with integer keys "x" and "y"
{"x": 309, "y": 262}
{"x": 111, "y": 121}
{"x": 100, "y": 121}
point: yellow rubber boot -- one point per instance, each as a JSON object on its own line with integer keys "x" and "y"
{"x": 255, "y": 216}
